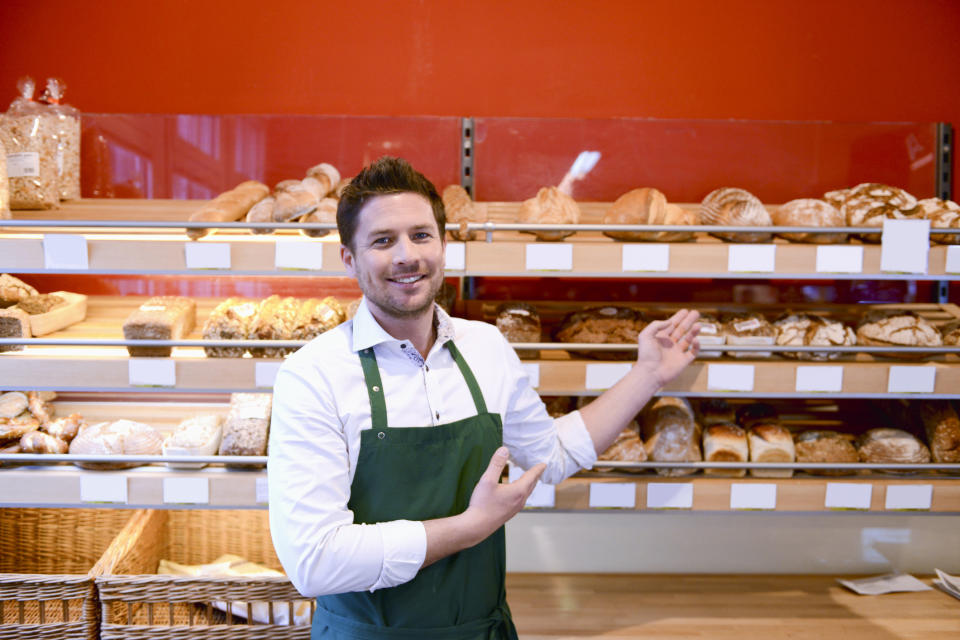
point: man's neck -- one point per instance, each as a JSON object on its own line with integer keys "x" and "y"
{"x": 419, "y": 330}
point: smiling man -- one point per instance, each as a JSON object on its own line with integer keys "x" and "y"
{"x": 390, "y": 434}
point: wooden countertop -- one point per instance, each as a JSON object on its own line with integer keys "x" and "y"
{"x": 720, "y": 607}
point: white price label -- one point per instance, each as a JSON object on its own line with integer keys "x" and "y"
{"x": 905, "y": 246}
{"x": 753, "y": 496}
{"x": 730, "y": 377}
{"x": 549, "y": 257}
{"x": 265, "y": 373}
{"x": 23, "y": 165}
{"x": 456, "y": 256}
{"x": 819, "y": 379}
{"x": 909, "y": 496}
{"x": 848, "y": 495}
{"x": 186, "y": 491}
{"x": 262, "y": 491}
{"x": 839, "y": 259}
{"x": 645, "y": 257}
{"x": 952, "y": 264}
{"x": 533, "y": 372}
{"x": 543, "y": 496}
{"x": 104, "y": 488}
{"x": 604, "y": 376}
{"x": 152, "y": 372}
{"x": 294, "y": 253}
{"x": 613, "y": 495}
{"x": 207, "y": 255}
{"x": 754, "y": 258}
{"x": 907, "y": 379}
{"x": 670, "y": 495}
{"x": 61, "y": 251}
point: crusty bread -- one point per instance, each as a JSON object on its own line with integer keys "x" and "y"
{"x": 326, "y": 211}
{"x": 628, "y": 447}
{"x": 942, "y": 214}
{"x": 869, "y": 203}
{"x": 298, "y": 200}
{"x": 262, "y": 212}
{"x": 725, "y": 442}
{"x": 897, "y": 328}
{"x": 809, "y": 212}
{"x": 13, "y": 290}
{"x": 519, "y": 322}
{"x": 276, "y": 319}
{"x": 896, "y": 446}
{"x": 648, "y": 206}
{"x": 461, "y": 210}
{"x": 801, "y": 329}
{"x": 326, "y": 175}
{"x": 942, "y": 425}
{"x": 160, "y": 318}
{"x": 603, "y": 325}
{"x": 771, "y": 442}
{"x": 825, "y": 446}
{"x": 550, "y": 206}
{"x": 229, "y": 206}
{"x": 729, "y": 206}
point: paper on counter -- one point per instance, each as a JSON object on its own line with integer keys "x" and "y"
{"x": 889, "y": 583}
{"x": 947, "y": 583}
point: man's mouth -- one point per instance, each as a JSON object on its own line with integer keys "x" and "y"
{"x": 406, "y": 279}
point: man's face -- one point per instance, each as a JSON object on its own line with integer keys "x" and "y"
{"x": 397, "y": 255}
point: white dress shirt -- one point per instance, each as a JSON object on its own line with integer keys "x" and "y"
{"x": 320, "y": 406}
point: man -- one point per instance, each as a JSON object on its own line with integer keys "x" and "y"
{"x": 390, "y": 433}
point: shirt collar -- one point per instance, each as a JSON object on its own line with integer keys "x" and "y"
{"x": 367, "y": 332}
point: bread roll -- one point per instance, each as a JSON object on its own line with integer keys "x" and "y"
{"x": 895, "y": 446}
{"x": 326, "y": 211}
{"x": 326, "y": 175}
{"x": 809, "y": 212}
{"x": 550, "y": 206}
{"x": 826, "y": 446}
{"x": 160, "y": 318}
{"x": 771, "y": 442}
{"x": 67, "y": 428}
{"x": 461, "y": 210}
{"x": 942, "y": 425}
{"x": 812, "y": 331}
{"x": 725, "y": 443}
{"x": 519, "y": 322}
{"x": 40, "y": 408}
{"x": 648, "y": 206}
{"x": 603, "y": 325}
{"x": 15, "y": 428}
{"x": 229, "y": 206}
{"x": 942, "y": 214}
{"x": 735, "y": 207}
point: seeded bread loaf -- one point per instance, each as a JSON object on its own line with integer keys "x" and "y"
{"x": 942, "y": 425}
{"x": 316, "y": 316}
{"x": 247, "y": 427}
{"x": 276, "y": 319}
{"x": 14, "y": 323}
{"x": 230, "y": 320}
{"x": 826, "y": 446}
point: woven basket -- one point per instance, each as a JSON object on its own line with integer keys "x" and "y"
{"x": 48, "y": 561}
{"x": 136, "y": 603}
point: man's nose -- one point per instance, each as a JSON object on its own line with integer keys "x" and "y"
{"x": 404, "y": 251}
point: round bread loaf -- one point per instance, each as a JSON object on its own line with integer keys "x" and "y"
{"x": 897, "y": 328}
{"x": 648, "y": 206}
{"x": 942, "y": 214}
{"x": 550, "y": 206}
{"x": 812, "y": 331}
{"x": 869, "y": 203}
{"x": 951, "y": 333}
{"x": 628, "y": 447}
{"x": 603, "y": 325}
{"x": 519, "y": 322}
{"x": 735, "y": 207}
{"x": 826, "y": 446}
{"x": 809, "y": 212}
{"x": 895, "y": 446}
{"x": 461, "y": 209}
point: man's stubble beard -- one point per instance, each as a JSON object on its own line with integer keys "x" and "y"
{"x": 400, "y": 312}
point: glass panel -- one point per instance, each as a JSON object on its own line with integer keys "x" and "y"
{"x": 686, "y": 159}
{"x": 196, "y": 156}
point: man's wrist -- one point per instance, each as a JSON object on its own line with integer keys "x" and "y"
{"x": 650, "y": 375}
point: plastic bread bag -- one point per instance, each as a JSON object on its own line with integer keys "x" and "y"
{"x": 28, "y": 134}
{"x": 67, "y": 122}
{"x": 4, "y": 187}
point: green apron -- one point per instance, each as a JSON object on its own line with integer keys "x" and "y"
{"x": 422, "y": 473}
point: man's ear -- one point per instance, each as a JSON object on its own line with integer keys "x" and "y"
{"x": 346, "y": 256}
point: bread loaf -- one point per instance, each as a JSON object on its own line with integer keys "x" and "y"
{"x": 809, "y": 212}
{"x": 276, "y": 319}
{"x": 897, "y": 328}
{"x": 326, "y": 212}
{"x": 626, "y": 448}
{"x": 462, "y": 210}
{"x": 714, "y": 411}
{"x": 950, "y": 333}
{"x": 748, "y": 329}
{"x": 229, "y": 206}
{"x": 942, "y": 426}
{"x": 519, "y": 322}
{"x": 812, "y": 331}
{"x": 123, "y": 437}
{"x": 894, "y": 446}
{"x": 603, "y": 325}
{"x": 648, "y": 206}
{"x": 771, "y": 442}
{"x": 711, "y": 334}
{"x": 942, "y": 214}
{"x": 550, "y": 206}
{"x": 13, "y": 290}
{"x": 868, "y": 204}
{"x": 262, "y": 212}
{"x": 326, "y": 175}
{"x": 671, "y": 435}
{"x": 725, "y": 443}
{"x": 160, "y": 318}
{"x": 14, "y": 323}
{"x": 735, "y": 207}
{"x": 316, "y": 316}
{"x": 195, "y": 436}
{"x": 826, "y": 446}
{"x": 247, "y": 426}
{"x": 232, "y": 319}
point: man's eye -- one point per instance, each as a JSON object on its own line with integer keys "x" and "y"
{"x": 381, "y": 241}
{"x": 421, "y": 235}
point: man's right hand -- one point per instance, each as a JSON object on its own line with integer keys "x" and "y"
{"x": 493, "y": 503}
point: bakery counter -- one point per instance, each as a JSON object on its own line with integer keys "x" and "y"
{"x": 106, "y": 246}
{"x": 721, "y": 607}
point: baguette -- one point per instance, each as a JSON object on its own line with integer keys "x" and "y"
{"x": 326, "y": 175}
{"x": 298, "y": 200}
{"x": 326, "y": 211}
{"x": 229, "y": 206}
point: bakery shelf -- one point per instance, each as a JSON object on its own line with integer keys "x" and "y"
{"x": 586, "y": 254}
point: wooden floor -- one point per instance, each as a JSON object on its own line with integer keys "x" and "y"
{"x": 550, "y": 606}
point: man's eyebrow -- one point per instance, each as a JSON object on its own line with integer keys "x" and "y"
{"x": 387, "y": 231}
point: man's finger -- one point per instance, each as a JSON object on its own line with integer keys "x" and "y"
{"x": 656, "y": 327}
{"x": 684, "y": 323}
{"x": 529, "y": 479}
{"x": 497, "y": 462}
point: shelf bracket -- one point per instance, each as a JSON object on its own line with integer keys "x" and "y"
{"x": 466, "y": 155}
{"x": 944, "y": 160}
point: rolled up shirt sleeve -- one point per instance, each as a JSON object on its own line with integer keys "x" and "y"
{"x": 320, "y": 547}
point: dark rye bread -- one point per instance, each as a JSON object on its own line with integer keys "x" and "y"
{"x": 160, "y": 318}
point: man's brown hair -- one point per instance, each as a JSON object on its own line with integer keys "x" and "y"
{"x": 385, "y": 176}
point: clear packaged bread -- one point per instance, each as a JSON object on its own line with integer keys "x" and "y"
{"x": 28, "y": 134}
{"x": 196, "y": 436}
{"x": 4, "y": 186}
{"x": 247, "y": 426}
{"x": 67, "y": 124}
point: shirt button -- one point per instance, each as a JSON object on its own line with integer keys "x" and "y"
{"x": 427, "y": 367}
{"x": 403, "y": 345}
{"x": 438, "y": 415}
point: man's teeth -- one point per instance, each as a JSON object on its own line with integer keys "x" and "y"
{"x": 407, "y": 280}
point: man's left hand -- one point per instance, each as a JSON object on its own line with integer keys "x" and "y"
{"x": 665, "y": 347}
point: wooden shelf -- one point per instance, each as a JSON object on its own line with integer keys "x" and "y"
{"x": 162, "y": 251}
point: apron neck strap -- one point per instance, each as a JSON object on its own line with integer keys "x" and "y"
{"x": 378, "y": 407}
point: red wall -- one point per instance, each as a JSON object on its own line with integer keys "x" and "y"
{"x": 885, "y": 60}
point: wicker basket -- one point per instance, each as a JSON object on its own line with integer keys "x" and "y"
{"x": 136, "y": 603}
{"x": 48, "y": 561}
